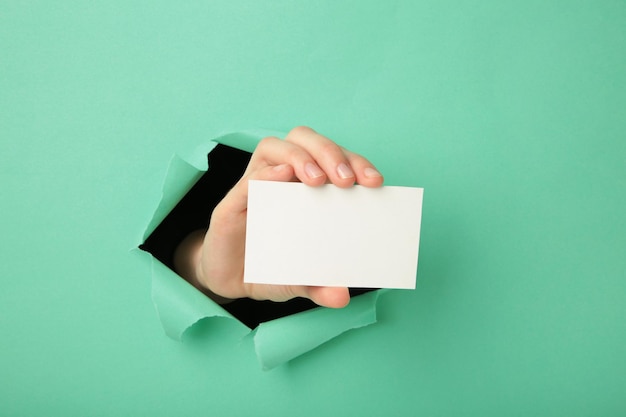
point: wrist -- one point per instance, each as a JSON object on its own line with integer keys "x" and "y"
{"x": 188, "y": 264}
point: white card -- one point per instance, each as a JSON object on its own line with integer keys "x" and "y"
{"x": 329, "y": 236}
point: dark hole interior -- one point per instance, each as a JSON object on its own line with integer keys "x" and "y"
{"x": 193, "y": 212}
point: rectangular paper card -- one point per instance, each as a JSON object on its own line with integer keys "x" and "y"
{"x": 329, "y": 236}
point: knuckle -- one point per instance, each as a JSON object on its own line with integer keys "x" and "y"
{"x": 332, "y": 149}
{"x": 266, "y": 142}
{"x": 299, "y": 130}
{"x": 262, "y": 150}
{"x": 294, "y": 153}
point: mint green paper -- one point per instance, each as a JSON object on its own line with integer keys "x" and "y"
{"x": 179, "y": 179}
{"x": 179, "y": 305}
{"x": 510, "y": 113}
{"x": 278, "y": 341}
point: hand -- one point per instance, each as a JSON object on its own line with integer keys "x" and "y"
{"x": 215, "y": 261}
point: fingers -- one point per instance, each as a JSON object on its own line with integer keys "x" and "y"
{"x": 333, "y": 297}
{"x": 366, "y": 173}
{"x": 327, "y": 154}
{"x": 316, "y": 159}
{"x": 273, "y": 151}
{"x": 342, "y": 166}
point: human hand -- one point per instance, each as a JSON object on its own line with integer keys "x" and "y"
{"x": 215, "y": 261}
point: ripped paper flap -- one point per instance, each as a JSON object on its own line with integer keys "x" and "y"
{"x": 179, "y": 304}
{"x": 281, "y": 340}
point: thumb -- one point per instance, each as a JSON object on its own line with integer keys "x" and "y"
{"x": 332, "y": 297}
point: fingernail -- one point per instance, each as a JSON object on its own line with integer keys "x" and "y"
{"x": 371, "y": 173}
{"x": 345, "y": 171}
{"x": 313, "y": 171}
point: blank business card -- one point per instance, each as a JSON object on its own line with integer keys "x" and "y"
{"x": 329, "y": 236}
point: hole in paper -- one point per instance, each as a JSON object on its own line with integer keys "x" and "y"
{"x": 193, "y": 212}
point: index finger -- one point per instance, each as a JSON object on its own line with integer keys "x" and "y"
{"x": 273, "y": 151}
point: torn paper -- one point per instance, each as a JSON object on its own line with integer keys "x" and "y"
{"x": 289, "y": 337}
{"x": 179, "y": 305}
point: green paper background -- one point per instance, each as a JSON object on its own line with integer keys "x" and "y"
{"x": 510, "y": 114}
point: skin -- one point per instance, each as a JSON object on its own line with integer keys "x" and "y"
{"x": 213, "y": 260}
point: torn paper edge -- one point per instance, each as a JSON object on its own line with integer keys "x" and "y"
{"x": 312, "y": 328}
{"x": 179, "y": 305}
